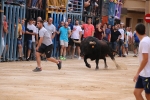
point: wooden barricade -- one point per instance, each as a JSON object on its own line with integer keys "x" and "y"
{"x": 55, "y": 6}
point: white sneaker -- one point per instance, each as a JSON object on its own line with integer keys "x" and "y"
{"x": 79, "y": 58}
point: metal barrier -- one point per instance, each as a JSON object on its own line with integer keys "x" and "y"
{"x": 1, "y": 23}
{"x": 13, "y": 13}
{"x": 74, "y": 10}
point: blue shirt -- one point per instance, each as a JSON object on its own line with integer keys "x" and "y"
{"x": 107, "y": 32}
{"x": 64, "y": 33}
{"x": 71, "y": 26}
{"x": 23, "y": 28}
{"x": 136, "y": 39}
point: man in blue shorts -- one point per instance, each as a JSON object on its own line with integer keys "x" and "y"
{"x": 142, "y": 77}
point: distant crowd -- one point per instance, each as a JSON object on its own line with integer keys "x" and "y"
{"x": 118, "y": 36}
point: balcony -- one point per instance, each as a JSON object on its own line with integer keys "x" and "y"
{"x": 139, "y": 5}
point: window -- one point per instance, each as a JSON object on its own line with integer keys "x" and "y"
{"x": 128, "y": 22}
{"x": 139, "y": 20}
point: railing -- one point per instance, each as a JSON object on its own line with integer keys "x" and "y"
{"x": 74, "y": 10}
{"x": 13, "y": 13}
{"x": 35, "y": 8}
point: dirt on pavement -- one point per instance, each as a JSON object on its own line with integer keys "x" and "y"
{"x": 73, "y": 82}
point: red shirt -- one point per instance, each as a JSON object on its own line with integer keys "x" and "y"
{"x": 98, "y": 34}
{"x": 88, "y": 30}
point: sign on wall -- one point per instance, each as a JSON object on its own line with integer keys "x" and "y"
{"x": 147, "y": 18}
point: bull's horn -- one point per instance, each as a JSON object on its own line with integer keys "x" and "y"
{"x": 92, "y": 42}
{"x": 76, "y": 41}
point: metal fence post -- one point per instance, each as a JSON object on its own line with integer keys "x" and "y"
{"x": 13, "y": 34}
{"x": 9, "y": 31}
{"x": 5, "y": 35}
{"x": 1, "y": 27}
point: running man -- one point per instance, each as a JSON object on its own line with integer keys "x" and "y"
{"x": 142, "y": 77}
{"x": 44, "y": 46}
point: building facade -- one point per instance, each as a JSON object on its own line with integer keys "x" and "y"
{"x": 135, "y": 12}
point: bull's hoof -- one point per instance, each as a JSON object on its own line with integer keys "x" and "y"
{"x": 88, "y": 66}
{"x": 118, "y": 67}
{"x": 97, "y": 68}
{"x": 106, "y": 67}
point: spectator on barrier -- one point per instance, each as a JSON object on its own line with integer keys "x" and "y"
{"x": 5, "y": 31}
{"x": 30, "y": 30}
{"x": 19, "y": 39}
{"x": 88, "y": 28}
{"x": 64, "y": 32}
{"x": 87, "y": 4}
{"x": 34, "y": 42}
{"x": 99, "y": 33}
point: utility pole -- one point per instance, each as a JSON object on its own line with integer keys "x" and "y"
{"x": 147, "y": 11}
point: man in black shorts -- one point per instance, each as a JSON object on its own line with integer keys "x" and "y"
{"x": 44, "y": 46}
{"x": 76, "y": 35}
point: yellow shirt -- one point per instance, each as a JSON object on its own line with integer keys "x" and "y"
{"x": 19, "y": 29}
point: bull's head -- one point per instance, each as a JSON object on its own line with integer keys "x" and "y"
{"x": 92, "y": 43}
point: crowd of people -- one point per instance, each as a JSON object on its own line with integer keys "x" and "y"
{"x": 117, "y": 36}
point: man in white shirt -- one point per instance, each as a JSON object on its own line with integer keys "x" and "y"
{"x": 121, "y": 42}
{"x": 142, "y": 77}
{"x": 30, "y": 31}
{"x": 76, "y": 35}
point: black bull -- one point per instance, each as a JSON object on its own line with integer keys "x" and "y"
{"x": 95, "y": 49}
